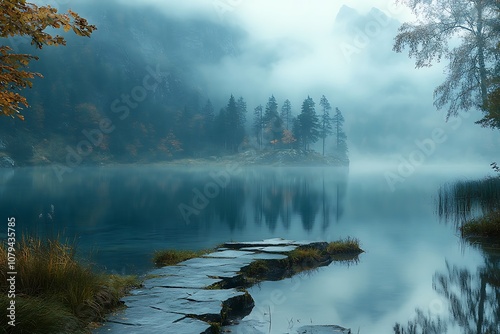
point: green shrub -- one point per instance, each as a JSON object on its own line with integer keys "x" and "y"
{"x": 171, "y": 257}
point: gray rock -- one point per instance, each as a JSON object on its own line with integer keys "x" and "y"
{"x": 229, "y": 254}
{"x": 323, "y": 329}
{"x": 151, "y": 321}
{"x": 272, "y": 249}
{"x": 265, "y": 256}
{"x": 184, "y": 298}
{"x": 188, "y": 279}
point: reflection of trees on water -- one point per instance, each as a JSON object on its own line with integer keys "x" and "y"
{"x": 229, "y": 206}
{"x": 278, "y": 196}
{"x": 473, "y": 300}
{"x": 121, "y": 198}
{"x": 473, "y": 297}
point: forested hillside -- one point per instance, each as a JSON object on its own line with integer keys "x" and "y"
{"x": 137, "y": 98}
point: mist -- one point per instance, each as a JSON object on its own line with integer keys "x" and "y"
{"x": 165, "y": 146}
{"x": 343, "y": 50}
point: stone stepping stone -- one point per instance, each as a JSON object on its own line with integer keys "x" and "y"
{"x": 159, "y": 326}
{"x": 184, "y": 298}
{"x": 186, "y": 280}
{"x": 228, "y": 254}
{"x": 203, "y": 262}
{"x": 266, "y": 256}
{"x": 267, "y": 242}
{"x": 272, "y": 249}
{"x": 323, "y": 329}
{"x": 209, "y": 268}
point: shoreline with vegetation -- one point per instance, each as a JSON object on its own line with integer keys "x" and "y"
{"x": 57, "y": 292}
{"x": 474, "y": 207}
{"x": 270, "y": 157}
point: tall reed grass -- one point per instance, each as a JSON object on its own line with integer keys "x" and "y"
{"x": 464, "y": 200}
{"x": 56, "y": 293}
{"x": 473, "y": 206}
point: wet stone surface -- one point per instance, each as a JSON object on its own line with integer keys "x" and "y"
{"x": 188, "y": 297}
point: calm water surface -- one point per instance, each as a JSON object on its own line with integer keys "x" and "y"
{"x": 121, "y": 215}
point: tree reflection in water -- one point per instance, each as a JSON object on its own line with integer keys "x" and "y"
{"x": 473, "y": 300}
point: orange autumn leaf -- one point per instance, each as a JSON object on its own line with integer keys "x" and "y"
{"x": 21, "y": 18}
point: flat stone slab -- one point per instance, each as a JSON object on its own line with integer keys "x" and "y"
{"x": 204, "y": 262}
{"x": 184, "y": 298}
{"x": 184, "y": 326}
{"x": 267, "y": 242}
{"x": 323, "y": 329}
{"x": 257, "y": 327}
{"x": 199, "y": 281}
{"x": 214, "y": 295}
{"x": 265, "y": 256}
{"x": 228, "y": 254}
{"x": 272, "y": 249}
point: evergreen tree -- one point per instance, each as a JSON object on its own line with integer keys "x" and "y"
{"x": 308, "y": 124}
{"x": 208, "y": 112}
{"x": 233, "y": 123}
{"x": 286, "y": 114}
{"x": 297, "y": 131}
{"x": 326, "y": 121}
{"x": 185, "y": 129}
{"x": 272, "y": 122}
{"x": 220, "y": 128}
{"x": 258, "y": 124}
{"x": 341, "y": 150}
{"x": 241, "y": 105}
{"x": 209, "y": 120}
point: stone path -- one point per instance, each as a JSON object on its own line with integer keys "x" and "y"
{"x": 191, "y": 296}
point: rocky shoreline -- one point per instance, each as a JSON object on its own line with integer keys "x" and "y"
{"x": 200, "y": 295}
{"x": 278, "y": 157}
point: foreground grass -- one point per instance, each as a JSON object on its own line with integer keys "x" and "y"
{"x": 302, "y": 259}
{"x": 55, "y": 293}
{"x": 343, "y": 246}
{"x": 462, "y": 200}
{"x": 170, "y": 257}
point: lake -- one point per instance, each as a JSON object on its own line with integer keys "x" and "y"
{"x": 119, "y": 215}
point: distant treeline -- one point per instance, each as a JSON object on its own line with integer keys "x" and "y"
{"x": 152, "y": 133}
{"x": 271, "y": 127}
